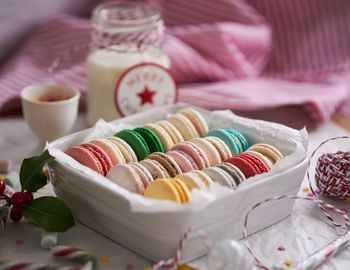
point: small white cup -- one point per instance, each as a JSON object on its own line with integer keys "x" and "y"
{"x": 54, "y": 119}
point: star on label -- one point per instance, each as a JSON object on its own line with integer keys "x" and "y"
{"x": 146, "y": 95}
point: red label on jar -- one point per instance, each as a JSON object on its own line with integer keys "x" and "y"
{"x": 144, "y": 86}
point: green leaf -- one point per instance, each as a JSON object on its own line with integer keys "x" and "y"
{"x": 31, "y": 173}
{"x": 50, "y": 213}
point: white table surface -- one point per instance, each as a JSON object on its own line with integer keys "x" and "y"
{"x": 294, "y": 232}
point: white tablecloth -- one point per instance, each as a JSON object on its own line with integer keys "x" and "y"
{"x": 302, "y": 233}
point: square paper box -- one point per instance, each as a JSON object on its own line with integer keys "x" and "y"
{"x": 153, "y": 228}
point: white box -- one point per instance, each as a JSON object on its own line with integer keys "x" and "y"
{"x": 155, "y": 232}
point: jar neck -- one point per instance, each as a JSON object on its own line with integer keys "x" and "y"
{"x": 126, "y": 26}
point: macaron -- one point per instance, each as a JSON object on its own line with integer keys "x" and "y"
{"x": 220, "y": 176}
{"x": 268, "y": 163}
{"x": 144, "y": 174}
{"x": 220, "y": 146}
{"x": 127, "y": 177}
{"x": 167, "y": 162}
{"x": 136, "y": 141}
{"x": 236, "y": 174}
{"x": 184, "y": 126}
{"x": 174, "y": 133}
{"x": 91, "y": 156}
{"x": 195, "y": 152}
{"x": 241, "y": 139}
{"x": 125, "y": 149}
{"x": 210, "y": 151}
{"x": 168, "y": 189}
{"x": 151, "y": 138}
{"x": 111, "y": 150}
{"x": 155, "y": 168}
{"x": 196, "y": 119}
{"x": 162, "y": 134}
{"x": 231, "y": 141}
{"x": 194, "y": 180}
{"x": 185, "y": 162}
{"x": 268, "y": 151}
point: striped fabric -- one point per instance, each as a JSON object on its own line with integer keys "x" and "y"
{"x": 233, "y": 54}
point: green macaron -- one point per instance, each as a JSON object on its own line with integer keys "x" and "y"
{"x": 153, "y": 142}
{"x": 136, "y": 142}
{"x": 240, "y": 137}
{"x": 228, "y": 139}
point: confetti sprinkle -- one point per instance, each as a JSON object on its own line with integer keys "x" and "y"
{"x": 6, "y": 259}
{"x": 309, "y": 238}
{"x": 306, "y": 189}
{"x": 288, "y": 262}
{"x": 347, "y": 200}
{"x": 184, "y": 267}
{"x": 281, "y": 248}
{"x": 43, "y": 187}
{"x": 19, "y": 242}
{"x": 103, "y": 258}
{"x": 310, "y": 194}
{"x": 1, "y": 176}
{"x": 147, "y": 268}
{"x": 129, "y": 266}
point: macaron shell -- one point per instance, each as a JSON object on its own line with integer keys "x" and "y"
{"x": 124, "y": 148}
{"x": 210, "y": 151}
{"x": 163, "y": 189}
{"x": 155, "y": 168}
{"x": 151, "y": 138}
{"x": 163, "y": 136}
{"x": 229, "y": 140}
{"x": 144, "y": 174}
{"x": 267, "y": 150}
{"x": 85, "y": 157}
{"x": 204, "y": 177}
{"x": 111, "y": 150}
{"x": 101, "y": 156}
{"x": 192, "y": 180}
{"x": 236, "y": 174}
{"x": 171, "y": 130}
{"x": 196, "y": 119}
{"x": 257, "y": 161}
{"x": 184, "y": 126}
{"x": 243, "y": 141}
{"x": 247, "y": 167}
{"x": 183, "y": 160}
{"x": 167, "y": 162}
{"x": 125, "y": 176}
{"x": 182, "y": 189}
{"x": 220, "y": 146}
{"x": 136, "y": 141}
{"x": 194, "y": 152}
{"x": 220, "y": 176}
{"x": 263, "y": 158}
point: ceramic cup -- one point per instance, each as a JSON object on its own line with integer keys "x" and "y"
{"x": 50, "y": 120}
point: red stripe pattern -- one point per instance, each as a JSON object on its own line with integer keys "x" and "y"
{"x": 234, "y": 54}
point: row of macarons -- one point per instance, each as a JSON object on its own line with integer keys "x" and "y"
{"x": 259, "y": 158}
{"x": 135, "y": 145}
{"x": 209, "y": 154}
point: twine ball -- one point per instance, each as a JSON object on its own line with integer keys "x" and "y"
{"x": 332, "y": 175}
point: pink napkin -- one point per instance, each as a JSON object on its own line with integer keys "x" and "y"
{"x": 232, "y": 54}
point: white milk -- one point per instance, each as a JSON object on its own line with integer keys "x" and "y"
{"x": 103, "y": 70}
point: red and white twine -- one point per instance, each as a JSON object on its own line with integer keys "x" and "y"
{"x": 332, "y": 178}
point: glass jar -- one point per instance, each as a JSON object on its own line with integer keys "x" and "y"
{"x": 124, "y": 34}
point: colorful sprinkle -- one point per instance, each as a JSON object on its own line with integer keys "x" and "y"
{"x": 1, "y": 176}
{"x": 129, "y": 266}
{"x": 19, "y": 242}
{"x": 184, "y": 267}
{"x": 288, "y": 262}
{"x": 310, "y": 194}
{"x": 43, "y": 187}
{"x": 6, "y": 259}
{"x": 281, "y": 248}
{"x": 306, "y": 189}
{"x": 103, "y": 258}
{"x": 147, "y": 268}
{"x": 347, "y": 200}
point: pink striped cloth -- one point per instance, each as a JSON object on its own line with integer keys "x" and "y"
{"x": 233, "y": 54}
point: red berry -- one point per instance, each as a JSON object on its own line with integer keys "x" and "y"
{"x": 18, "y": 198}
{"x": 28, "y": 196}
{"x": 15, "y": 213}
{"x": 2, "y": 187}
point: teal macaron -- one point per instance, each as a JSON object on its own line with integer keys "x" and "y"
{"x": 227, "y": 138}
{"x": 151, "y": 138}
{"x": 136, "y": 142}
{"x": 240, "y": 137}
